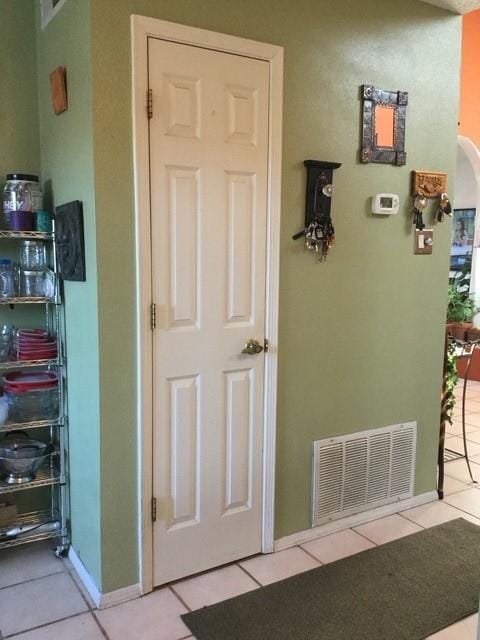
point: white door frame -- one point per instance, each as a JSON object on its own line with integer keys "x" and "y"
{"x": 473, "y": 155}
{"x": 141, "y": 29}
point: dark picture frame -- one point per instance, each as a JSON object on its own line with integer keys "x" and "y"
{"x": 70, "y": 241}
{"x": 373, "y": 98}
{"x": 463, "y": 238}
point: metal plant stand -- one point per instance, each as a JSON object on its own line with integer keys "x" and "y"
{"x": 49, "y": 522}
{"x": 464, "y": 350}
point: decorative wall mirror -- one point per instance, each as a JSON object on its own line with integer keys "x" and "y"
{"x": 383, "y": 125}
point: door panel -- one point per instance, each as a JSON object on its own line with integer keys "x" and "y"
{"x": 208, "y": 175}
{"x": 184, "y": 209}
{"x": 241, "y": 218}
{"x": 184, "y": 451}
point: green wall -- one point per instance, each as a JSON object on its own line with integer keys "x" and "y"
{"x": 19, "y": 144}
{"x": 67, "y": 171}
{"x": 19, "y": 137}
{"x": 360, "y": 336}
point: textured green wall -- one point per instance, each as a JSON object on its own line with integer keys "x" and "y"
{"x": 19, "y": 141}
{"x": 19, "y": 127}
{"x": 67, "y": 170}
{"x": 19, "y": 137}
{"x": 360, "y": 336}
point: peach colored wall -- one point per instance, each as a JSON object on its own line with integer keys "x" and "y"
{"x": 470, "y": 82}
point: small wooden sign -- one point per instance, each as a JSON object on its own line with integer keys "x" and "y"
{"x": 58, "y": 87}
{"x": 430, "y": 184}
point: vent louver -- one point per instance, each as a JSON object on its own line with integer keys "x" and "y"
{"x": 362, "y": 471}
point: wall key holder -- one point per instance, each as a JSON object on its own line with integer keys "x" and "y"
{"x": 319, "y": 232}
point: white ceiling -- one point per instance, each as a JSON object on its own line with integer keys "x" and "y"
{"x": 457, "y": 6}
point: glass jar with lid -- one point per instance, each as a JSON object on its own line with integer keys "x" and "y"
{"x": 33, "y": 254}
{"x": 8, "y": 278}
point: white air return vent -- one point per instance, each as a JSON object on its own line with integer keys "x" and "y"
{"x": 362, "y": 471}
{"x": 49, "y": 9}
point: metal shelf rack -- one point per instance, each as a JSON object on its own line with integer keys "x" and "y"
{"x": 45, "y": 477}
{"x": 36, "y": 526}
{"x": 44, "y": 523}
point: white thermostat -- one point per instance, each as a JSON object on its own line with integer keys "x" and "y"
{"x": 385, "y": 203}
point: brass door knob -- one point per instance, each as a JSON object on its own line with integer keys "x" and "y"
{"x": 252, "y": 347}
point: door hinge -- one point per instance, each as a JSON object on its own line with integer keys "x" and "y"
{"x": 150, "y": 104}
{"x": 266, "y": 345}
{"x": 154, "y": 509}
{"x": 153, "y": 316}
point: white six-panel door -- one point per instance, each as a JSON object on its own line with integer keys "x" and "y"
{"x": 208, "y": 175}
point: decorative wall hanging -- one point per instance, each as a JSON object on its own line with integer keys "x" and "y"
{"x": 430, "y": 184}
{"x": 69, "y": 241}
{"x": 58, "y": 88}
{"x": 383, "y": 125}
{"x": 319, "y": 232}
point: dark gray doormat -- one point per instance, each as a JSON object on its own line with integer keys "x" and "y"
{"x": 404, "y": 590}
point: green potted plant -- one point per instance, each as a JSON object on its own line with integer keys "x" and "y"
{"x": 461, "y": 305}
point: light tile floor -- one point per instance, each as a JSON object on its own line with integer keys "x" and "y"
{"x": 41, "y": 598}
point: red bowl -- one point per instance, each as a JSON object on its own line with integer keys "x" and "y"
{"x": 26, "y": 381}
{"x": 38, "y": 355}
{"x": 35, "y": 332}
{"x": 45, "y": 346}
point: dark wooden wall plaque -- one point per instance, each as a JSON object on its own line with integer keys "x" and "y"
{"x": 69, "y": 241}
{"x": 430, "y": 184}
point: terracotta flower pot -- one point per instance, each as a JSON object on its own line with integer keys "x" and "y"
{"x": 459, "y": 329}
{"x": 473, "y": 334}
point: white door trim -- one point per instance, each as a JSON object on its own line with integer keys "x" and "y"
{"x": 472, "y": 153}
{"x": 141, "y": 29}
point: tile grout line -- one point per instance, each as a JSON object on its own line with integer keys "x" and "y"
{"x": 46, "y": 624}
{"x": 364, "y": 536}
{"x": 250, "y": 575}
{"x": 84, "y": 598}
{"x": 99, "y": 624}
{"x": 299, "y": 546}
{"x": 412, "y": 521}
{"x": 179, "y": 598}
{"x": 469, "y": 513}
{"x": 90, "y": 608}
{"x": 48, "y": 575}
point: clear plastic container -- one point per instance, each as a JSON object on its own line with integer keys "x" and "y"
{"x": 6, "y": 347}
{"x": 33, "y": 254}
{"x": 32, "y": 283}
{"x": 36, "y": 404}
{"x": 8, "y": 279}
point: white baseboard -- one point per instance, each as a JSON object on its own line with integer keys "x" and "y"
{"x": 353, "y": 521}
{"x": 102, "y": 600}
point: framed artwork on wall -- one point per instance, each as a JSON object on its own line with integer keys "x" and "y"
{"x": 383, "y": 125}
